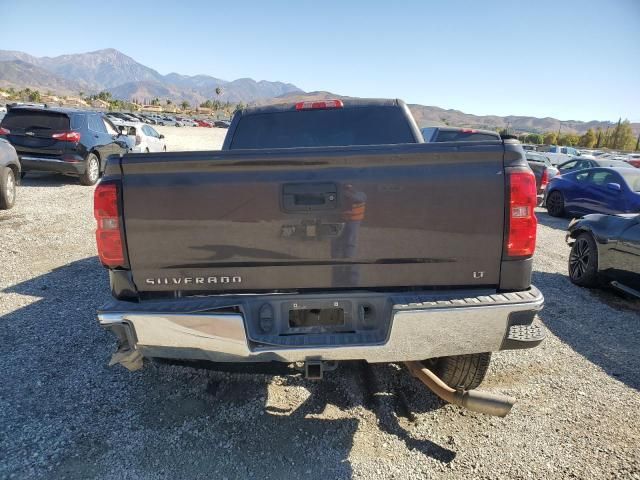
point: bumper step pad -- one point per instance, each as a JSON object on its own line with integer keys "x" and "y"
{"x": 524, "y": 336}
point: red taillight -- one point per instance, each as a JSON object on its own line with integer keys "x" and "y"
{"x": 108, "y": 235}
{"x": 138, "y": 139}
{"x": 468, "y": 130}
{"x": 4, "y": 131}
{"x": 67, "y": 136}
{"x": 544, "y": 181}
{"x": 521, "y": 241}
{"x": 319, "y": 105}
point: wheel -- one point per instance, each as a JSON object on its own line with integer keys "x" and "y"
{"x": 92, "y": 172}
{"x": 555, "y": 204}
{"x": 461, "y": 371}
{"x": 583, "y": 261}
{"x": 7, "y": 188}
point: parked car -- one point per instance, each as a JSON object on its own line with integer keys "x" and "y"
{"x": 170, "y": 121}
{"x": 145, "y": 137}
{"x": 543, "y": 170}
{"x": 255, "y": 254}
{"x": 204, "y": 123}
{"x": 187, "y": 122}
{"x": 115, "y": 119}
{"x": 455, "y": 134}
{"x": 633, "y": 160}
{"x": 149, "y": 120}
{"x": 10, "y": 174}
{"x": 606, "y": 249}
{"x": 558, "y": 154}
{"x": 580, "y": 163}
{"x": 222, "y": 124}
{"x": 68, "y": 141}
{"x": 596, "y": 190}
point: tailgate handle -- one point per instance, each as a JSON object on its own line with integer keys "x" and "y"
{"x": 306, "y": 197}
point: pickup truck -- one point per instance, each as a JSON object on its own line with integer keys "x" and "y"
{"x": 321, "y": 232}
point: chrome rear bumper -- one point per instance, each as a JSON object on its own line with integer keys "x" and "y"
{"x": 418, "y": 331}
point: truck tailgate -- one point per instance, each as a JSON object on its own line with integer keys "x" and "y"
{"x": 421, "y": 215}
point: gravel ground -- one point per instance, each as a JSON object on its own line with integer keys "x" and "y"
{"x": 65, "y": 414}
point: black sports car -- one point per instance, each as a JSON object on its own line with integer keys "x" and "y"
{"x": 606, "y": 249}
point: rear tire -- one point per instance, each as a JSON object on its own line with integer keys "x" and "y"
{"x": 7, "y": 188}
{"x": 461, "y": 371}
{"x": 92, "y": 172}
{"x": 555, "y": 204}
{"x": 583, "y": 262}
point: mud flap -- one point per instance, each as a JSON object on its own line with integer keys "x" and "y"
{"x": 128, "y": 358}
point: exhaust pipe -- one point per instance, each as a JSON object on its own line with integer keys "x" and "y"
{"x": 481, "y": 402}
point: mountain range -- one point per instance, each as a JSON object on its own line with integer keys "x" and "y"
{"x": 436, "y": 116}
{"x": 127, "y": 79}
{"x": 115, "y": 72}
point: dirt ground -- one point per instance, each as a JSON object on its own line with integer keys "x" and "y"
{"x": 65, "y": 414}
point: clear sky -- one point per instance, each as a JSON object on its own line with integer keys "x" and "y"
{"x": 568, "y": 59}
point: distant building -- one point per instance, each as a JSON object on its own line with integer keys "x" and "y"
{"x": 152, "y": 108}
{"x": 49, "y": 99}
{"x": 75, "y": 102}
{"x": 204, "y": 110}
{"x": 97, "y": 103}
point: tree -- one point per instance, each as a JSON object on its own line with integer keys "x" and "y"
{"x": 588, "y": 140}
{"x": 622, "y": 137}
{"x": 606, "y": 138}
{"x": 218, "y": 91}
{"x": 105, "y": 96}
{"x": 34, "y": 96}
{"x": 534, "y": 138}
{"x": 184, "y": 105}
{"x": 207, "y": 104}
{"x": 550, "y": 138}
{"x": 599, "y": 140}
{"x": 155, "y": 101}
{"x": 568, "y": 139}
{"x": 168, "y": 101}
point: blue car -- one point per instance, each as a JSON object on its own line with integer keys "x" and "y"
{"x": 595, "y": 190}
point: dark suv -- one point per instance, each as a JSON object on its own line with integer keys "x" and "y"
{"x": 68, "y": 141}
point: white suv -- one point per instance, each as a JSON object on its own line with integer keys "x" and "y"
{"x": 146, "y": 138}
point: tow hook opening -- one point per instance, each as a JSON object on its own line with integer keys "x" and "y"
{"x": 314, "y": 369}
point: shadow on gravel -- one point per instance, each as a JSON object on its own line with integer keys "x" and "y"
{"x": 553, "y": 222}
{"x": 73, "y": 417}
{"x": 44, "y": 179}
{"x": 599, "y": 324}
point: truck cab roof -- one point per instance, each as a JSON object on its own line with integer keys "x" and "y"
{"x": 323, "y": 123}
